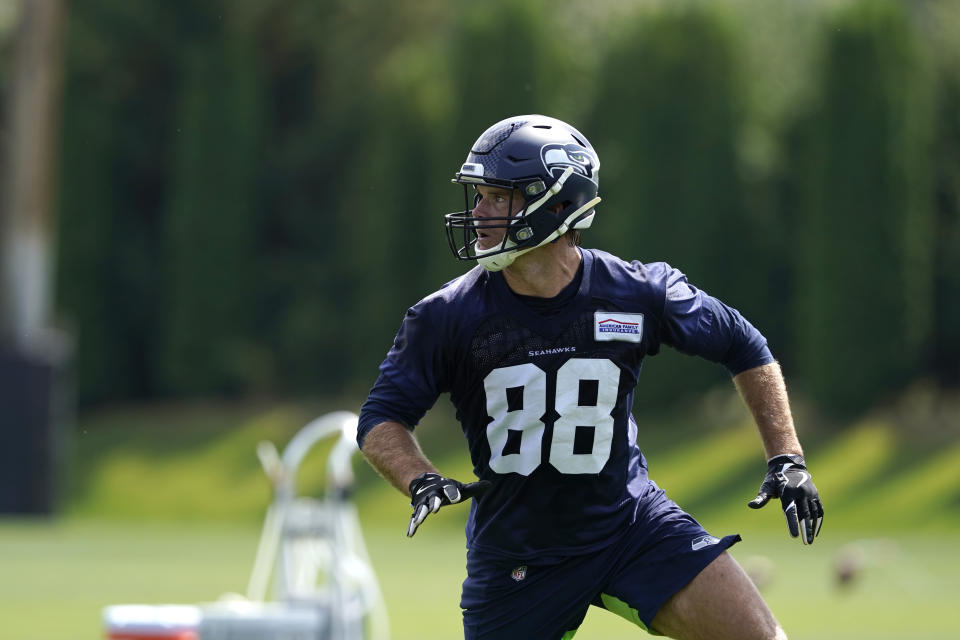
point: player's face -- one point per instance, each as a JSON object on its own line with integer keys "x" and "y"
{"x": 495, "y": 203}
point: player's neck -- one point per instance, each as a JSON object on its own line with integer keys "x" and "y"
{"x": 545, "y": 271}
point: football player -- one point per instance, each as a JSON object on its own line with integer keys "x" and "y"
{"x": 540, "y": 348}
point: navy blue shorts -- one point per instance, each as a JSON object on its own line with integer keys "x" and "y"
{"x": 548, "y": 598}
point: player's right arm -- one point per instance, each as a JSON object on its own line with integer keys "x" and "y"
{"x": 411, "y": 378}
{"x": 394, "y": 452}
{"x": 402, "y": 394}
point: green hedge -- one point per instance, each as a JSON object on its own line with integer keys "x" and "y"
{"x": 862, "y": 162}
{"x": 252, "y": 195}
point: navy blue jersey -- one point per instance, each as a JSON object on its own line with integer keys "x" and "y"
{"x": 545, "y": 400}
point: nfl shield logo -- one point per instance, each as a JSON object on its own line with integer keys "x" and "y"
{"x": 519, "y": 573}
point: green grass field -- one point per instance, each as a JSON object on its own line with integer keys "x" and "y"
{"x": 57, "y": 577}
{"x": 165, "y": 507}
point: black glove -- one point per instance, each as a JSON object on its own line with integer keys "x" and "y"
{"x": 430, "y": 491}
{"x": 788, "y": 479}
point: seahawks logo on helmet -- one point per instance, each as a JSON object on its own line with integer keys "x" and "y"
{"x": 557, "y": 157}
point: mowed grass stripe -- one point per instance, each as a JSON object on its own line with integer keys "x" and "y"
{"x": 57, "y": 577}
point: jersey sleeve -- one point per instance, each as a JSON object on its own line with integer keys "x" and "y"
{"x": 696, "y": 323}
{"x": 411, "y": 376}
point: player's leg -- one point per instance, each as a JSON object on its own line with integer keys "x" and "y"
{"x": 676, "y": 579}
{"x": 511, "y": 600}
{"x": 720, "y": 603}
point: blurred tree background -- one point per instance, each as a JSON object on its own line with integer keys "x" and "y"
{"x": 250, "y": 193}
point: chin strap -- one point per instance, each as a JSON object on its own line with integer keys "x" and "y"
{"x": 500, "y": 261}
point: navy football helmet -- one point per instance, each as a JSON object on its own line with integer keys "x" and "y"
{"x": 549, "y": 163}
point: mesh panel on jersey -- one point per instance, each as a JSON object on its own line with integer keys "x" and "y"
{"x": 502, "y": 341}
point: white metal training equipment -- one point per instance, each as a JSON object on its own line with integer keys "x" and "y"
{"x": 312, "y": 551}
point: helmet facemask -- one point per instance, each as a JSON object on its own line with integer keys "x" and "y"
{"x": 535, "y": 225}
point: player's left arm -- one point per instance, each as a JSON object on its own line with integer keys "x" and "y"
{"x": 699, "y": 324}
{"x": 765, "y": 393}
